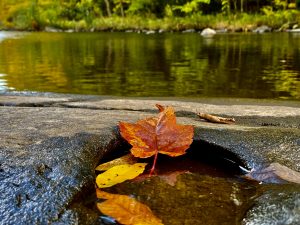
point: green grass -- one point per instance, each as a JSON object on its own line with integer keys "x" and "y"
{"x": 237, "y": 22}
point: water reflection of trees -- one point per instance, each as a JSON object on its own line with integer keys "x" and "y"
{"x": 263, "y": 66}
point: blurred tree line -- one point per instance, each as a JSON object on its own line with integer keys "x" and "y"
{"x": 36, "y": 13}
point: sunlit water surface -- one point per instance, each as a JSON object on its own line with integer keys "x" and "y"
{"x": 162, "y": 65}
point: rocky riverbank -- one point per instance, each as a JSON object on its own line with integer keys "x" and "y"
{"x": 275, "y": 21}
{"x": 50, "y": 145}
{"x": 287, "y": 27}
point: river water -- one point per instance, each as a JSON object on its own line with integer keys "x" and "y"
{"x": 157, "y": 65}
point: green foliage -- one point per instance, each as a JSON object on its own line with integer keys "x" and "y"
{"x": 140, "y": 6}
{"x": 225, "y": 6}
{"x": 146, "y": 7}
{"x": 171, "y": 14}
{"x": 191, "y": 6}
{"x": 119, "y": 6}
{"x": 168, "y": 11}
{"x": 280, "y": 4}
{"x": 277, "y": 18}
{"x": 80, "y": 10}
{"x": 23, "y": 16}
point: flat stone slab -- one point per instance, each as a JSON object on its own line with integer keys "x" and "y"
{"x": 230, "y": 108}
{"x": 29, "y": 100}
{"x": 264, "y": 133}
{"x": 50, "y": 145}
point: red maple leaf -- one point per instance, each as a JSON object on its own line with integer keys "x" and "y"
{"x": 155, "y": 135}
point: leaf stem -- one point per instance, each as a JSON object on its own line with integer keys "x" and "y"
{"x": 154, "y": 163}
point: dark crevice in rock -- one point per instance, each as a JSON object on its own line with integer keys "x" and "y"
{"x": 217, "y": 155}
{"x": 199, "y": 150}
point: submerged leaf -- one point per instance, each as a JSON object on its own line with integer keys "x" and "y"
{"x": 275, "y": 171}
{"x": 171, "y": 178}
{"x": 126, "y": 210}
{"x": 126, "y": 159}
{"x": 153, "y": 135}
{"x": 119, "y": 174}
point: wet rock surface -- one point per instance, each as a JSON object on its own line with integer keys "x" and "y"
{"x": 262, "y": 29}
{"x": 278, "y": 205}
{"x": 50, "y": 145}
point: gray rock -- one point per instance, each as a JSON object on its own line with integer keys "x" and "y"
{"x": 208, "y": 32}
{"x": 189, "y": 31}
{"x": 49, "y": 146}
{"x": 262, "y": 29}
{"x": 275, "y": 207}
{"x": 294, "y": 30}
{"x": 52, "y": 29}
{"x": 72, "y": 31}
{"x": 45, "y": 169}
{"x": 150, "y": 32}
{"x": 41, "y": 181}
{"x": 10, "y": 34}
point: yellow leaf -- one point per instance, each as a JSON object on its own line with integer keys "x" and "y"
{"x": 126, "y": 159}
{"x": 126, "y": 210}
{"x": 119, "y": 174}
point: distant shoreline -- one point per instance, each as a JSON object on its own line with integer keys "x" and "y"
{"x": 161, "y": 31}
{"x": 243, "y": 22}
